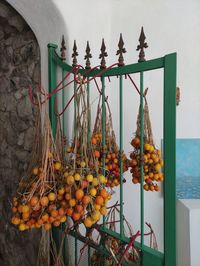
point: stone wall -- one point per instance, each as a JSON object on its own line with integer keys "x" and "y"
{"x": 19, "y": 68}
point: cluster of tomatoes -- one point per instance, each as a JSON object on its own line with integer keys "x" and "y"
{"x": 112, "y": 160}
{"x": 80, "y": 195}
{"x": 152, "y": 165}
{"x": 41, "y": 204}
{"x": 86, "y": 197}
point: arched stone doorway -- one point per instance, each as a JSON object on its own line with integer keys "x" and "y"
{"x": 19, "y": 68}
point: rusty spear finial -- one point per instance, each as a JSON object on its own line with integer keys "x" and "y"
{"x": 141, "y": 46}
{"x": 75, "y": 54}
{"x": 63, "y": 48}
{"x": 121, "y": 51}
{"x": 103, "y": 54}
{"x": 88, "y": 56}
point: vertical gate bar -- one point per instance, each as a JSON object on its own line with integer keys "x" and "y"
{"x": 76, "y": 241}
{"x": 170, "y": 160}
{"x": 76, "y": 252}
{"x": 89, "y": 255}
{"x": 88, "y": 136}
{"x": 74, "y": 104}
{"x": 65, "y": 246}
{"x": 141, "y": 158}
{"x": 103, "y": 131}
{"x": 63, "y": 103}
{"x": 121, "y": 152}
{"x": 89, "y": 113}
{"x": 103, "y": 142}
{"x": 52, "y": 85}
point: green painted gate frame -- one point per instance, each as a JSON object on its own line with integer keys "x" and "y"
{"x": 150, "y": 257}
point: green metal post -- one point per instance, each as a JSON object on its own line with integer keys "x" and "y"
{"x": 170, "y": 160}
{"x": 121, "y": 152}
{"x": 141, "y": 163}
{"x": 52, "y": 85}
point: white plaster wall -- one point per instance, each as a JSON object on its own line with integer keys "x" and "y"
{"x": 183, "y": 235}
{"x": 188, "y": 220}
{"x": 170, "y": 26}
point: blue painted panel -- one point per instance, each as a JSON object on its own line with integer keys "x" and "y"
{"x": 188, "y": 168}
{"x": 188, "y": 157}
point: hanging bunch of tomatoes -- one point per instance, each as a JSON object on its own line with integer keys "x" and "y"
{"x": 150, "y": 160}
{"x": 86, "y": 194}
{"x": 39, "y": 199}
{"x": 111, "y": 153}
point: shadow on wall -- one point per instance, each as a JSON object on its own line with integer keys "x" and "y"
{"x": 19, "y": 68}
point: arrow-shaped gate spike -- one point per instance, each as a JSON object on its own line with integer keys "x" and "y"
{"x": 75, "y": 54}
{"x": 63, "y": 48}
{"x": 88, "y": 56}
{"x": 141, "y": 46}
{"x": 103, "y": 54}
{"x": 121, "y": 51}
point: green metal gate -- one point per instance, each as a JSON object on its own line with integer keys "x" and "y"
{"x": 150, "y": 257}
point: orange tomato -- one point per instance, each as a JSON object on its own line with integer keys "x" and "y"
{"x": 44, "y": 201}
{"x": 61, "y": 211}
{"x": 79, "y": 194}
{"x": 152, "y": 187}
{"x": 86, "y": 200}
{"x": 104, "y": 193}
{"x": 76, "y": 216}
{"x": 60, "y": 197}
{"x": 72, "y": 202}
{"x": 113, "y": 155}
{"x": 135, "y": 180}
{"x": 103, "y": 210}
{"x": 88, "y": 222}
{"x": 25, "y": 208}
{"x": 79, "y": 208}
{"x": 96, "y": 154}
{"x": 61, "y": 191}
{"x": 33, "y": 201}
{"x": 51, "y": 207}
{"x": 99, "y": 200}
{"x": 94, "y": 141}
{"x": 25, "y": 216}
{"x": 51, "y": 219}
{"x": 45, "y": 217}
{"x": 69, "y": 211}
{"x": 54, "y": 213}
